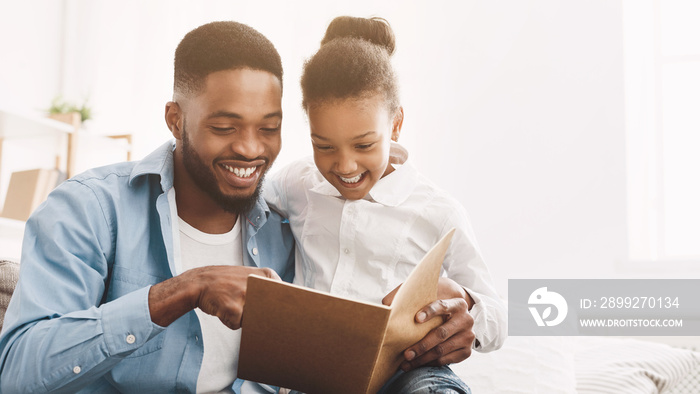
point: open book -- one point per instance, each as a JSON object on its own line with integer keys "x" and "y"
{"x": 307, "y": 340}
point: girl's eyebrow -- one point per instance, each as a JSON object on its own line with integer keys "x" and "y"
{"x": 364, "y": 135}
{"x": 353, "y": 138}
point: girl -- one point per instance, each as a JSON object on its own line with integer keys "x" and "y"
{"x": 363, "y": 217}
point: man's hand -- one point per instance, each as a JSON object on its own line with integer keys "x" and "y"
{"x": 216, "y": 290}
{"x": 450, "y": 342}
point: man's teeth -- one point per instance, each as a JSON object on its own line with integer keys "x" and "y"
{"x": 354, "y": 179}
{"x": 241, "y": 172}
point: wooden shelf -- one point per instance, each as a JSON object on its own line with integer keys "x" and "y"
{"x": 29, "y": 142}
{"x": 13, "y": 125}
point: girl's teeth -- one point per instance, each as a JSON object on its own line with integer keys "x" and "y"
{"x": 241, "y": 172}
{"x": 354, "y": 179}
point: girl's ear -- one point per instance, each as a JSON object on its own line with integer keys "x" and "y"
{"x": 173, "y": 118}
{"x": 396, "y": 125}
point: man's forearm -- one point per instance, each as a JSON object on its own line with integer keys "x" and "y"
{"x": 171, "y": 299}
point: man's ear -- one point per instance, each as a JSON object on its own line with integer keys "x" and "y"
{"x": 174, "y": 119}
{"x": 396, "y": 125}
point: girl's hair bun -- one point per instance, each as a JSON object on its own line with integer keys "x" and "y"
{"x": 375, "y": 30}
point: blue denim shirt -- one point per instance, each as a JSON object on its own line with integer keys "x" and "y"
{"x": 79, "y": 317}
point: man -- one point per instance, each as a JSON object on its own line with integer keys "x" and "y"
{"x": 133, "y": 275}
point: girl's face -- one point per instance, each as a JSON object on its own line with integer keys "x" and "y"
{"x": 351, "y": 140}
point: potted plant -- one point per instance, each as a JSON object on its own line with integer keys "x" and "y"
{"x": 68, "y": 112}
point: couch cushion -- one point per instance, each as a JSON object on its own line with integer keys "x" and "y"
{"x": 9, "y": 273}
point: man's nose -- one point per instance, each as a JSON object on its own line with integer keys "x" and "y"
{"x": 248, "y": 144}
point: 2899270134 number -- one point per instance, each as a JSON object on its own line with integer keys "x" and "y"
{"x": 639, "y": 302}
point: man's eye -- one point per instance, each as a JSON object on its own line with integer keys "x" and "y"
{"x": 271, "y": 129}
{"x": 222, "y": 129}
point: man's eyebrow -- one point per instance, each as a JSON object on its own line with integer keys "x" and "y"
{"x": 276, "y": 114}
{"x": 225, "y": 114}
{"x": 233, "y": 115}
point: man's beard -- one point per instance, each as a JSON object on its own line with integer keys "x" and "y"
{"x": 204, "y": 177}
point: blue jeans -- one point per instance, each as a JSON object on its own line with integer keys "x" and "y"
{"x": 425, "y": 380}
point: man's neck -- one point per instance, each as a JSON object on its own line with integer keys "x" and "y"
{"x": 204, "y": 220}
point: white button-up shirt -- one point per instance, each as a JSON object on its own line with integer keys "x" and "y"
{"x": 363, "y": 249}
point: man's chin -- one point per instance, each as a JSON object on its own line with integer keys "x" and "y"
{"x": 238, "y": 203}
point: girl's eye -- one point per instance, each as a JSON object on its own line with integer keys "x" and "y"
{"x": 365, "y": 146}
{"x": 323, "y": 147}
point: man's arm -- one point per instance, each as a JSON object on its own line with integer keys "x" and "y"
{"x": 216, "y": 290}
{"x": 58, "y": 335}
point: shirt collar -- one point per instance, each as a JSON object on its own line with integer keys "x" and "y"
{"x": 324, "y": 187}
{"x": 392, "y": 189}
{"x": 159, "y": 162}
{"x": 396, "y": 187}
{"x": 259, "y": 214}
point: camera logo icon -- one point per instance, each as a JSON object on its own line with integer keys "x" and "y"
{"x": 541, "y": 297}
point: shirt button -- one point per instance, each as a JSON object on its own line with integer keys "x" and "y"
{"x": 255, "y": 251}
{"x": 130, "y": 339}
{"x": 76, "y": 370}
{"x": 346, "y": 250}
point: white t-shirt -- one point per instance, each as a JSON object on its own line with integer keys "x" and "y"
{"x": 221, "y": 344}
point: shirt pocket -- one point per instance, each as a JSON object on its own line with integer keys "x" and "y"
{"x": 125, "y": 280}
{"x": 414, "y": 246}
{"x": 322, "y": 216}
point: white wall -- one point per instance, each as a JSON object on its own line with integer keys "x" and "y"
{"x": 535, "y": 145}
{"x": 30, "y": 49}
{"x": 30, "y": 55}
{"x": 515, "y": 107}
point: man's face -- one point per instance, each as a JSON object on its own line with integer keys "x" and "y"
{"x": 230, "y": 135}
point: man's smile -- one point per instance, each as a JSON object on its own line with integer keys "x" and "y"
{"x": 243, "y": 172}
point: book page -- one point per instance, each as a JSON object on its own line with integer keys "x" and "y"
{"x": 419, "y": 289}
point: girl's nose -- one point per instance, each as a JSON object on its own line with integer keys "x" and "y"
{"x": 346, "y": 165}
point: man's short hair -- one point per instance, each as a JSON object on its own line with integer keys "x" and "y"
{"x": 218, "y": 46}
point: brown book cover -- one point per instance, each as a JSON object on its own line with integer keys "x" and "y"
{"x": 308, "y": 340}
{"x": 27, "y": 190}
